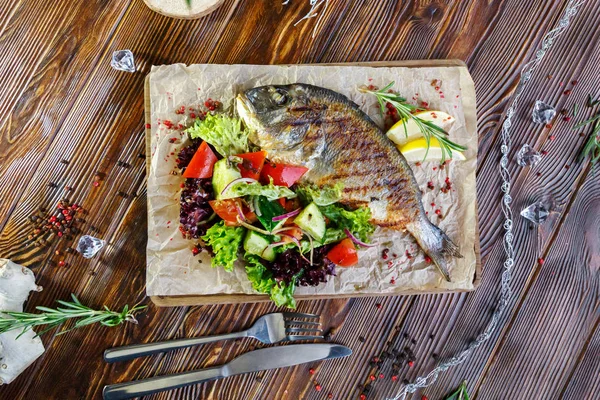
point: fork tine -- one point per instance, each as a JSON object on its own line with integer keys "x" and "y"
{"x": 292, "y": 338}
{"x": 299, "y": 315}
{"x": 298, "y": 330}
{"x": 292, "y": 322}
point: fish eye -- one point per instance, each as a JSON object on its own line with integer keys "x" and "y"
{"x": 279, "y": 97}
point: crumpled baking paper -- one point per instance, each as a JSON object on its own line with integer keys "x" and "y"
{"x": 173, "y": 270}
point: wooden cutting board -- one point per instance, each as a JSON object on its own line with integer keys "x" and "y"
{"x": 175, "y": 301}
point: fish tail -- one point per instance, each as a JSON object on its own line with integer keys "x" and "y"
{"x": 435, "y": 243}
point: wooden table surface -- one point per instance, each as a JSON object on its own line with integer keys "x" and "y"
{"x": 61, "y": 100}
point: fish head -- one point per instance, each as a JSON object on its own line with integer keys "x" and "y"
{"x": 272, "y": 113}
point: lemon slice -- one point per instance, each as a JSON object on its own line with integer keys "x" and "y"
{"x": 400, "y": 136}
{"x": 416, "y": 150}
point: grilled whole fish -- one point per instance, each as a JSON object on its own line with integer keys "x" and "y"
{"x": 324, "y": 131}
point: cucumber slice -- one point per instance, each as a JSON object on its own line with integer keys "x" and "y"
{"x": 255, "y": 243}
{"x": 312, "y": 221}
{"x": 224, "y": 173}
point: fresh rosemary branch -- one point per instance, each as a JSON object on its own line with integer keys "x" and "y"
{"x": 189, "y": 3}
{"x": 405, "y": 112}
{"x": 460, "y": 393}
{"x": 70, "y": 310}
{"x": 592, "y": 146}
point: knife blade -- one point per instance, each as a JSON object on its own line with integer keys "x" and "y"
{"x": 253, "y": 361}
{"x": 284, "y": 356}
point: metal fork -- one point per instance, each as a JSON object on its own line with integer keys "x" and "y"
{"x": 268, "y": 329}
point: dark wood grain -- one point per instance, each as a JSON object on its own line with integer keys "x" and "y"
{"x": 59, "y": 99}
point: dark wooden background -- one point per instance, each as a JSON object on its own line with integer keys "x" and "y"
{"x": 60, "y": 99}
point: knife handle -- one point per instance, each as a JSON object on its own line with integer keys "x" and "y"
{"x": 143, "y": 387}
{"x": 139, "y": 350}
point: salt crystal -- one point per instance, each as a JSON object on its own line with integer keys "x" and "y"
{"x": 528, "y": 156}
{"x": 542, "y": 112}
{"x": 88, "y": 246}
{"x": 122, "y": 60}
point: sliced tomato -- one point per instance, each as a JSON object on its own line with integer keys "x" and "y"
{"x": 227, "y": 210}
{"x": 281, "y": 201}
{"x": 201, "y": 165}
{"x": 252, "y": 164}
{"x": 343, "y": 254}
{"x": 282, "y": 174}
{"x": 296, "y": 233}
{"x": 292, "y": 204}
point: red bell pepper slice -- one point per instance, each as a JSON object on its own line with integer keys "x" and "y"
{"x": 202, "y": 163}
{"x": 282, "y": 174}
{"x": 252, "y": 164}
{"x": 343, "y": 254}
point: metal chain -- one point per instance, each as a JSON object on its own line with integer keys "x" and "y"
{"x": 506, "y": 291}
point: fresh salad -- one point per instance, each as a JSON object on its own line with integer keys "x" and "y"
{"x": 238, "y": 205}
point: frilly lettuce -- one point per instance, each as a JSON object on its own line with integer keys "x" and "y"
{"x": 225, "y": 242}
{"x": 262, "y": 280}
{"x": 270, "y": 191}
{"x": 324, "y": 196}
{"x": 356, "y": 221}
{"x": 223, "y": 132}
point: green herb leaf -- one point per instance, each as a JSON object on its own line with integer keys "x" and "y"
{"x": 460, "y": 393}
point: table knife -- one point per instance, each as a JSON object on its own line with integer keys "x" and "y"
{"x": 253, "y": 361}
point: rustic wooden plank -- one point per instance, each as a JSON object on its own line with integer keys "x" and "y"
{"x": 41, "y": 81}
{"x": 560, "y": 311}
{"x": 91, "y": 149}
{"x": 528, "y": 187}
{"x": 584, "y": 383}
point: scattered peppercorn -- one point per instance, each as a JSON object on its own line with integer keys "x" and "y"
{"x": 541, "y": 261}
{"x": 61, "y": 263}
{"x": 378, "y": 305}
{"x": 318, "y": 387}
{"x": 361, "y": 339}
{"x": 311, "y": 371}
{"x": 567, "y": 92}
{"x": 411, "y": 363}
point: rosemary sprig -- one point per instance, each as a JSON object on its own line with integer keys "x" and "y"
{"x": 70, "y": 310}
{"x": 405, "y": 112}
{"x": 189, "y": 3}
{"x": 460, "y": 393}
{"x": 592, "y": 146}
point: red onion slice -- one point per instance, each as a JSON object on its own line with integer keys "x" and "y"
{"x": 286, "y": 215}
{"x": 357, "y": 241}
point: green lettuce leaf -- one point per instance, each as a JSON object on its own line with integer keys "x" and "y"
{"x": 324, "y": 196}
{"x": 356, "y": 221}
{"x": 225, "y": 242}
{"x": 223, "y": 132}
{"x": 270, "y": 191}
{"x": 263, "y": 282}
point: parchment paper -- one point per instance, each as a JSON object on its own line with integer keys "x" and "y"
{"x": 173, "y": 270}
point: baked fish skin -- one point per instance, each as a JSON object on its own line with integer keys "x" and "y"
{"x": 323, "y": 130}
